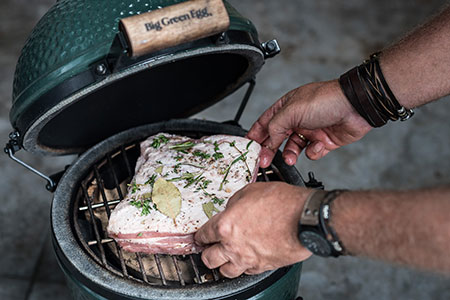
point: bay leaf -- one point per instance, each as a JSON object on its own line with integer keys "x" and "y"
{"x": 159, "y": 169}
{"x": 209, "y": 208}
{"x": 167, "y": 198}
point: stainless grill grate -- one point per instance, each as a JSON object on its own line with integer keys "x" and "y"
{"x": 99, "y": 192}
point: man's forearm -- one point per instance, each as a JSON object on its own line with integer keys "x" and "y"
{"x": 417, "y": 68}
{"x": 410, "y": 227}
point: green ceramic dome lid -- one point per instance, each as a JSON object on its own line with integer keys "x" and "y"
{"x": 61, "y": 104}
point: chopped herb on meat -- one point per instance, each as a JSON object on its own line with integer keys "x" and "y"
{"x": 182, "y": 147}
{"x": 192, "y": 165}
{"x": 206, "y": 182}
{"x": 151, "y": 180}
{"x": 134, "y": 187}
{"x": 217, "y": 155}
{"x": 216, "y": 146}
{"x": 158, "y": 141}
{"x": 201, "y": 154}
{"x": 218, "y": 201}
{"x": 145, "y": 204}
{"x": 242, "y": 157}
{"x": 190, "y": 178}
{"x": 176, "y": 168}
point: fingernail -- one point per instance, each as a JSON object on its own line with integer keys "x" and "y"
{"x": 317, "y": 148}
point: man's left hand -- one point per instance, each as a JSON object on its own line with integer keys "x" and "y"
{"x": 257, "y": 231}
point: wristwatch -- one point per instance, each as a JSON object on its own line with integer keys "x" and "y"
{"x": 314, "y": 231}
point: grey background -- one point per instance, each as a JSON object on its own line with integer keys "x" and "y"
{"x": 319, "y": 40}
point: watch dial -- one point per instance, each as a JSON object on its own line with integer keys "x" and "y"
{"x": 315, "y": 243}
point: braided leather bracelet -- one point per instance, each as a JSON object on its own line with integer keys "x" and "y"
{"x": 367, "y": 90}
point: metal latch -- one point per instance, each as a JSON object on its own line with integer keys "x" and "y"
{"x": 270, "y": 48}
{"x": 13, "y": 146}
{"x": 313, "y": 182}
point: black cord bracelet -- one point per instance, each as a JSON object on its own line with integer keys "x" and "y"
{"x": 325, "y": 218}
{"x": 367, "y": 90}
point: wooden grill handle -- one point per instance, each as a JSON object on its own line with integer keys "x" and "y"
{"x": 174, "y": 25}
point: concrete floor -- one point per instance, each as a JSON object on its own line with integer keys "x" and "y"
{"x": 319, "y": 40}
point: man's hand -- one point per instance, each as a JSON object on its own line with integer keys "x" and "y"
{"x": 257, "y": 231}
{"x": 318, "y": 111}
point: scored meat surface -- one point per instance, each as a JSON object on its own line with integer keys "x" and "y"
{"x": 179, "y": 183}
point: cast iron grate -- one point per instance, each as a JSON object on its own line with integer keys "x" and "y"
{"x": 99, "y": 192}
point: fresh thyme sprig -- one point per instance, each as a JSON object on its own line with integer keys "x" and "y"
{"x": 145, "y": 201}
{"x": 191, "y": 178}
{"x": 182, "y": 146}
{"x": 159, "y": 140}
{"x": 242, "y": 157}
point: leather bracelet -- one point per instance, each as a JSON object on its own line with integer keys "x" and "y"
{"x": 363, "y": 98}
{"x": 347, "y": 88}
{"x": 368, "y": 92}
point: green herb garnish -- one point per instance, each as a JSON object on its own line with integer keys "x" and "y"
{"x": 194, "y": 181}
{"x": 159, "y": 169}
{"x": 216, "y": 146}
{"x": 205, "y": 183}
{"x": 217, "y": 155}
{"x": 159, "y": 162}
{"x": 218, "y": 201}
{"x": 158, "y": 141}
{"x": 151, "y": 180}
{"x": 135, "y": 187}
{"x": 248, "y": 145}
{"x": 178, "y": 157}
{"x": 192, "y": 165}
{"x": 191, "y": 178}
{"x": 182, "y": 146}
{"x": 144, "y": 204}
{"x": 201, "y": 154}
{"x": 209, "y": 208}
{"x": 242, "y": 157}
{"x": 176, "y": 168}
{"x": 139, "y": 234}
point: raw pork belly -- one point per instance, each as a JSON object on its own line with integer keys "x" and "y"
{"x": 205, "y": 172}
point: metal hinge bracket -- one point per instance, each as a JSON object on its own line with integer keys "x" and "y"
{"x": 12, "y": 147}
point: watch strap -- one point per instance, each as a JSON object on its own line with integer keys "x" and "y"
{"x": 316, "y": 215}
{"x": 311, "y": 209}
{"x": 325, "y": 219}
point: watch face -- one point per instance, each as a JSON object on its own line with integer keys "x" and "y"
{"x": 315, "y": 243}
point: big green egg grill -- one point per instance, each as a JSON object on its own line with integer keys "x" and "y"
{"x": 78, "y": 88}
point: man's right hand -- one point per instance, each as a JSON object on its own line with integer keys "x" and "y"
{"x": 318, "y": 111}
